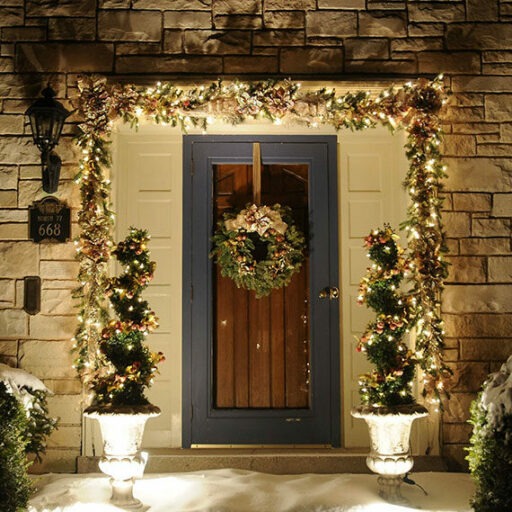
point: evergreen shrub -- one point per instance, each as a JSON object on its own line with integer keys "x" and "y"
{"x": 490, "y": 453}
{"x": 15, "y": 484}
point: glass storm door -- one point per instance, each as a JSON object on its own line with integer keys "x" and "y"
{"x": 260, "y": 371}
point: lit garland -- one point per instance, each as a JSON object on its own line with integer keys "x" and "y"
{"x": 95, "y": 219}
{"x": 426, "y": 235}
{"x": 413, "y": 106}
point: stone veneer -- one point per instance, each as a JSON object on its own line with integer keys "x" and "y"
{"x": 142, "y": 40}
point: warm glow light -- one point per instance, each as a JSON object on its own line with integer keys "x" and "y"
{"x": 200, "y": 106}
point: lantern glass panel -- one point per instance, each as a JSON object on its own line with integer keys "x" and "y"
{"x": 33, "y": 127}
{"x": 58, "y": 123}
{"x": 45, "y": 129}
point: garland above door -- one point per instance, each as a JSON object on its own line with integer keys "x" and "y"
{"x": 414, "y": 107}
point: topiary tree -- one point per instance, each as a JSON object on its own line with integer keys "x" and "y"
{"x": 15, "y": 485}
{"x": 127, "y": 366}
{"x": 490, "y": 453}
{"x": 390, "y": 382}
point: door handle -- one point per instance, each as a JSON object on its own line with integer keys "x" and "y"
{"x": 329, "y": 292}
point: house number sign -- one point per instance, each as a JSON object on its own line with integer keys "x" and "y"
{"x": 49, "y": 220}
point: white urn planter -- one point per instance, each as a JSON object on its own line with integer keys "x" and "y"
{"x": 390, "y": 450}
{"x": 122, "y": 429}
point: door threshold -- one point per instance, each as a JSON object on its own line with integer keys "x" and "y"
{"x": 261, "y": 446}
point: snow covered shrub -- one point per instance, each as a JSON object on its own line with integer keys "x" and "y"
{"x": 490, "y": 453}
{"x": 32, "y": 394}
{"x": 14, "y": 482}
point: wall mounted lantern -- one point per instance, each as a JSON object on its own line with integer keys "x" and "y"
{"x": 47, "y": 118}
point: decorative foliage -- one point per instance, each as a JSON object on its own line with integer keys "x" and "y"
{"x": 15, "y": 484}
{"x": 95, "y": 219}
{"x": 259, "y": 248}
{"x": 490, "y": 453}
{"x": 414, "y": 107}
{"x": 40, "y": 424}
{"x": 127, "y": 364}
{"x": 390, "y": 383}
{"x": 425, "y": 233}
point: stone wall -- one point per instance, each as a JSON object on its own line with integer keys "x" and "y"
{"x": 141, "y": 40}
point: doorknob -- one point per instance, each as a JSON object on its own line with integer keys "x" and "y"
{"x": 329, "y": 292}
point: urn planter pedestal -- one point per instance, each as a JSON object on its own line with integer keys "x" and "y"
{"x": 122, "y": 429}
{"x": 390, "y": 451}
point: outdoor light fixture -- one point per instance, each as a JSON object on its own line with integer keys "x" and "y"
{"x": 47, "y": 118}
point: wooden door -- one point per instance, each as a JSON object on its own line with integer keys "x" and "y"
{"x": 261, "y": 346}
{"x": 260, "y": 371}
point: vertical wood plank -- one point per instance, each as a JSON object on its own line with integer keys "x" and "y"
{"x": 231, "y": 360}
{"x": 241, "y": 339}
{"x": 256, "y": 173}
{"x": 296, "y": 330}
{"x": 259, "y": 351}
{"x": 288, "y": 185}
{"x": 277, "y": 347}
{"x": 224, "y": 350}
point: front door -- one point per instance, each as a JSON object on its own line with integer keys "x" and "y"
{"x": 260, "y": 371}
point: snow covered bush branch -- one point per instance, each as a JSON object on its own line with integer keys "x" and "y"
{"x": 490, "y": 453}
{"x": 32, "y": 395}
{"x": 14, "y": 482}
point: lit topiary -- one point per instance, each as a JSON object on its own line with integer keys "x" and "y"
{"x": 390, "y": 383}
{"x": 127, "y": 365}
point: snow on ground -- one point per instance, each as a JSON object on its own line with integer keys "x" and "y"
{"x": 230, "y": 490}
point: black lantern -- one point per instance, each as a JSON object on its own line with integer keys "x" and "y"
{"x": 47, "y": 118}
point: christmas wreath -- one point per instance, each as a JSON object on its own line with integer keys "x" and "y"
{"x": 259, "y": 248}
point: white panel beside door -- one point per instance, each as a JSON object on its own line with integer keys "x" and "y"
{"x": 372, "y": 167}
{"x": 148, "y": 190}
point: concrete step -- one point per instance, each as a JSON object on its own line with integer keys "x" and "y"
{"x": 266, "y": 460}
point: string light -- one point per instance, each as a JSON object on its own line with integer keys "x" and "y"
{"x": 414, "y": 106}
